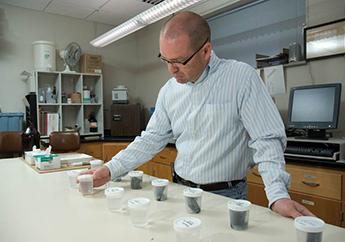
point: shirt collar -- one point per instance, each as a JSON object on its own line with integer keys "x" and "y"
{"x": 211, "y": 64}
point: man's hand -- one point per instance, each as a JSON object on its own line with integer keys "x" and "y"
{"x": 289, "y": 208}
{"x": 100, "y": 175}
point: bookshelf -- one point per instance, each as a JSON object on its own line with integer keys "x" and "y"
{"x": 61, "y": 103}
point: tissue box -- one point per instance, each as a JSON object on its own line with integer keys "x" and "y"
{"x": 29, "y": 156}
{"x": 47, "y": 162}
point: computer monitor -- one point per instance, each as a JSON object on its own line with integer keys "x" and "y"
{"x": 314, "y": 108}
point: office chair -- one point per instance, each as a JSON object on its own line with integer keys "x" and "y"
{"x": 64, "y": 141}
{"x": 11, "y": 144}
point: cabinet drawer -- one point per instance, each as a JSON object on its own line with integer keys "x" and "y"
{"x": 343, "y": 211}
{"x": 162, "y": 171}
{"x": 326, "y": 209}
{"x": 318, "y": 183}
{"x": 111, "y": 149}
{"x": 166, "y": 156}
{"x": 253, "y": 176}
{"x": 157, "y": 170}
{"x": 146, "y": 168}
{"x": 93, "y": 149}
{"x": 257, "y": 195}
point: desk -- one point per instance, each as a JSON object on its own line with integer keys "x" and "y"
{"x": 42, "y": 207}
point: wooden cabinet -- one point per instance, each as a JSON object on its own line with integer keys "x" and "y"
{"x": 161, "y": 164}
{"x": 256, "y": 194}
{"x": 320, "y": 189}
{"x": 327, "y": 209}
{"x": 315, "y": 182}
{"x": 343, "y": 214}
{"x": 112, "y": 148}
{"x": 95, "y": 149}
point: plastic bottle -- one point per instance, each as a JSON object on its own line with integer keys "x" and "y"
{"x": 49, "y": 95}
{"x": 93, "y": 123}
{"x": 86, "y": 95}
{"x": 30, "y": 137}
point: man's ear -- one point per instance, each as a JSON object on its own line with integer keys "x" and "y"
{"x": 207, "y": 50}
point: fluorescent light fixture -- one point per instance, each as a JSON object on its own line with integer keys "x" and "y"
{"x": 147, "y": 17}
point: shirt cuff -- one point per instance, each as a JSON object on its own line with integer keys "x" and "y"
{"x": 116, "y": 169}
{"x": 275, "y": 192}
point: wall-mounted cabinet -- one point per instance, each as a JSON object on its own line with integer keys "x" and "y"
{"x": 69, "y": 100}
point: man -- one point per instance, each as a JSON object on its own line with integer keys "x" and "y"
{"x": 222, "y": 118}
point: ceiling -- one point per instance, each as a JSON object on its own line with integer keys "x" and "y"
{"x": 111, "y": 12}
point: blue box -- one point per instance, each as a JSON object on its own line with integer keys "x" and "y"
{"x": 11, "y": 121}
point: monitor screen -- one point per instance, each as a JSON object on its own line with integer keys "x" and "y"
{"x": 314, "y": 106}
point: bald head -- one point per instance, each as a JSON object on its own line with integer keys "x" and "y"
{"x": 187, "y": 23}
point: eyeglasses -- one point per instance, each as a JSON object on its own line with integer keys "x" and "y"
{"x": 177, "y": 62}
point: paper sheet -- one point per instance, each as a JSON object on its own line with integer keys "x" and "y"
{"x": 274, "y": 80}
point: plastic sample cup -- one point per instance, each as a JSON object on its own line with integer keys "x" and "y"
{"x": 239, "y": 214}
{"x": 160, "y": 190}
{"x": 309, "y": 229}
{"x": 96, "y": 163}
{"x": 187, "y": 229}
{"x": 72, "y": 176}
{"x": 192, "y": 199}
{"x": 136, "y": 179}
{"x": 138, "y": 209}
{"x": 114, "y": 197}
{"x": 86, "y": 184}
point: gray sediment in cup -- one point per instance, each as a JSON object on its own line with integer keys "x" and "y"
{"x": 192, "y": 203}
{"x": 314, "y": 237}
{"x": 160, "y": 194}
{"x": 136, "y": 182}
{"x": 239, "y": 219}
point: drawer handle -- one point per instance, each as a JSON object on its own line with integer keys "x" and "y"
{"x": 311, "y": 184}
{"x": 162, "y": 157}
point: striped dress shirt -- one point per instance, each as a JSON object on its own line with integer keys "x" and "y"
{"x": 223, "y": 124}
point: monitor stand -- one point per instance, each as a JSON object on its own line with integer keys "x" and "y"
{"x": 319, "y": 134}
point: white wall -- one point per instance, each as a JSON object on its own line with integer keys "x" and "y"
{"x": 133, "y": 60}
{"x": 20, "y": 27}
{"x": 152, "y": 74}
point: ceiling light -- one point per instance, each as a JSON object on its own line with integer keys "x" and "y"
{"x": 147, "y": 17}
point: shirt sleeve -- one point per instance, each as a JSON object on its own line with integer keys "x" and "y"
{"x": 144, "y": 147}
{"x": 263, "y": 123}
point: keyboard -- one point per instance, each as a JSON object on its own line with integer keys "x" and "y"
{"x": 313, "y": 151}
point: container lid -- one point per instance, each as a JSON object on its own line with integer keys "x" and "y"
{"x": 136, "y": 173}
{"x": 39, "y": 42}
{"x": 73, "y": 172}
{"x": 85, "y": 177}
{"x": 184, "y": 224}
{"x": 239, "y": 205}
{"x": 160, "y": 182}
{"x": 139, "y": 202}
{"x": 192, "y": 192}
{"x": 309, "y": 224}
{"x": 114, "y": 192}
{"x": 11, "y": 114}
{"x": 96, "y": 162}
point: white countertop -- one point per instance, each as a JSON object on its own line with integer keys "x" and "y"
{"x": 43, "y": 208}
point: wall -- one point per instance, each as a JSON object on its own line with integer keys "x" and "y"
{"x": 326, "y": 70}
{"x": 133, "y": 60}
{"x": 152, "y": 74}
{"x": 20, "y": 27}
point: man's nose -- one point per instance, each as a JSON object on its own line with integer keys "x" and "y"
{"x": 172, "y": 68}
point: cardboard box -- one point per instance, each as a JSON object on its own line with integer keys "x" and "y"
{"x": 91, "y": 63}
